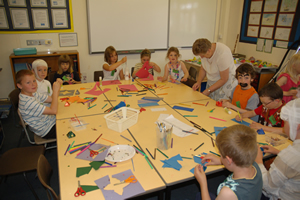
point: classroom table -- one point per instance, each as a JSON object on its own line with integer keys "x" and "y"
{"x": 143, "y": 135}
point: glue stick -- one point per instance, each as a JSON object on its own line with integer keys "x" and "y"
{"x": 100, "y": 80}
{"x": 227, "y": 111}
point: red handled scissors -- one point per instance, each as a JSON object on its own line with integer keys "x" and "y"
{"x": 130, "y": 179}
{"x": 92, "y": 152}
{"x": 79, "y": 191}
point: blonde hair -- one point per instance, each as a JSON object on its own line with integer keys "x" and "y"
{"x": 201, "y": 46}
{"x": 108, "y": 51}
{"x": 173, "y": 49}
{"x": 295, "y": 60}
{"x": 65, "y": 59}
{"x": 239, "y": 143}
{"x": 146, "y": 52}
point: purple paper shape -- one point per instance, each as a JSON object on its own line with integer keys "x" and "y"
{"x": 130, "y": 190}
{"x": 86, "y": 154}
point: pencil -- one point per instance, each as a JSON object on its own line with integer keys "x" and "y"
{"x": 67, "y": 149}
{"x": 125, "y": 138}
{"x": 104, "y": 106}
{"x": 217, "y": 119}
{"x": 212, "y": 142}
{"x": 154, "y": 153}
{"x": 148, "y": 162}
{"x": 198, "y": 104}
{"x": 207, "y": 103}
{"x": 239, "y": 115}
{"x": 172, "y": 143}
{"x": 108, "y": 163}
{"x": 71, "y": 145}
{"x": 150, "y": 154}
{"x": 214, "y": 153}
{"x": 199, "y": 146}
{"x": 141, "y": 152}
{"x": 92, "y": 106}
{"x": 162, "y": 153}
{"x": 108, "y": 166}
{"x": 77, "y": 119}
{"x": 138, "y": 148}
{"x": 185, "y": 157}
{"x": 108, "y": 141}
{"x": 189, "y": 132}
{"x": 132, "y": 165}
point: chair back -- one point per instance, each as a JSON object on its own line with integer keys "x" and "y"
{"x": 14, "y": 98}
{"x": 97, "y": 74}
{"x": 189, "y": 82}
{"x": 44, "y": 172}
{"x": 193, "y": 73}
{"x": 51, "y": 77}
{"x": 25, "y": 128}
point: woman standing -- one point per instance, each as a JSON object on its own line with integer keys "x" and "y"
{"x": 218, "y": 66}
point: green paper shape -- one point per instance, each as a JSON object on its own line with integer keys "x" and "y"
{"x": 112, "y": 73}
{"x": 238, "y": 104}
{"x": 65, "y": 78}
{"x": 96, "y": 164}
{"x": 89, "y": 188}
{"x": 292, "y": 88}
{"x": 82, "y": 171}
{"x": 272, "y": 120}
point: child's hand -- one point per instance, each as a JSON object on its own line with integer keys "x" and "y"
{"x": 259, "y": 157}
{"x": 200, "y": 174}
{"x": 269, "y": 149}
{"x": 238, "y": 118}
{"x": 72, "y": 81}
{"x": 152, "y": 64}
{"x": 196, "y": 86}
{"x": 56, "y": 86}
{"x": 212, "y": 160}
{"x": 160, "y": 78}
{"x": 293, "y": 92}
{"x": 226, "y": 103}
{"x": 256, "y": 125}
{"x": 183, "y": 80}
{"x": 124, "y": 59}
{"x": 59, "y": 80}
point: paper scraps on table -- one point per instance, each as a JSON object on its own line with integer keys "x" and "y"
{"x": 100, "y": 157}
{"x": 132, "y": 189}
{"x": 183, "y": 108}
{"x": 82, "y": 171}
{"x": 115, "y": 82}
{"x": 66, "y": 93}
{"x": 242, "y": 122}
{"x": 218, "y": 130}
{"x": 157, "y": 99}
{"x": 158, "y": 109}
{"x": 149, "y": 78}
{"x": 172, "y": 162}
{"x": 96, "y": 164}
{"x": 147, "y": 104}
{"x": 175, "y": 82}
{"x": 199, "y": 161}
{"x": 145, "y": 101}
{"x": 127, "y": 87}
{"x": 77, "y": 124}
{"x": 96, "y": 91}
{"x": 260, "y": 131}
{"x": 89, "y": 188}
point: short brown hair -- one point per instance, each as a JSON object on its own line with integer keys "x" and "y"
{"x": 201, "y": 46}
{"x": 245, "y": 69}
{"x": 173, "y": 49}
{"x": 108, "y": 51}
{"x": 239, "y": 143}
{"x": 146, "y": 52}
{"x": 65, "y": 59}
{"x": 21, "y": 74}
{"x": 271, "y": 90}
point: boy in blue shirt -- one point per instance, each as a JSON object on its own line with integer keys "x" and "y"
{"x": 238, "y": 149}
{"x": 40, "y": 118}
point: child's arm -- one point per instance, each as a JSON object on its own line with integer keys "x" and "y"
{"x": 121, "y": 75}
{"x": 226, "y": 193}
{"x": 257, "y": 126}
{"x": 185, "y": 71}
{"x": 155, "y": 66}
{"x": 202, "y": 74}
{"x": 165, "y": 77}
{"x": 201, "y": 178}
{"x": 115, "y": 65}
{"x": 54, "y": 104}
{"x": 282, "y": 81}
{"x": 247, "y": 114}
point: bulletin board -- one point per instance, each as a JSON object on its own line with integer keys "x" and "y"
{"x": 271, "y": 20}
{"x": 35, "y": 16}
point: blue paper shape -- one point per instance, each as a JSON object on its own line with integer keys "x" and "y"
{"x": 120, "y": 105}
{"x": 243, "y": 122}
{"x": 262, "y": 151}
{"x": 147, "y": 104}
{"x": 157, "y": 99}
{"x": 218, "y": 130}
{"x": 192, "y": 170}
{"x": 172, "y": 162}
{"x": 183, "y": 108}
{"x": 199, "y": 161}
{"x": 260, "y": 131}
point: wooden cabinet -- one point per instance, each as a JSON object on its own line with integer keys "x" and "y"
{"x": 50, "y": 57}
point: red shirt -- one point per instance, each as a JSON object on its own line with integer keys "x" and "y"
{"x": 266, "y": 113}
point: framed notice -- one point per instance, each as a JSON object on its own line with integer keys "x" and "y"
{"x": 252, "y": 31}
{"x": 256, "y": 6}
{"x": 268, "y": 46}
{"x": 271, "y": 5}
{"x": 266, "y": 32}
{"x": 268, "y": 19}
{"x": 282, "y": 44}
{"x": 3, "y": 19}
{"x": 260, "y": 44}
{"x": 1, "y": 3}
{"x": 254, "y": 19}
{"x": 68, "y": 39}
{"x": 58, "y": 3}
{"x": 38, "y": 3}
{"x": 40, "y": 18}
{"x": 288, "y": 5}
{"x": 282, "y": 34}
{"x": 285, "y": 19}
{"x": 19, "y": 18}
{"x": 19, "y": 3}
{"x": 59, "y": 18}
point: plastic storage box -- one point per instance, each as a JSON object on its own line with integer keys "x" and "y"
{"x": 121, "y": 119}
{"x": 24, "y": 51}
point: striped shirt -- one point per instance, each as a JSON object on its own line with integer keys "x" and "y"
{"x": 31, "y": 109}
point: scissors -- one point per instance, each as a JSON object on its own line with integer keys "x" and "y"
{"x": 92, "y": 152}
{"x": 130, "y": 179}
{"x": 79, "y": 191}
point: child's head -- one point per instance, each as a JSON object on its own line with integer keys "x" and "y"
{"x": 201, "y": 46}
{"x": 26, "y": 82}
{"x": 145, "y": 56}
{"x": 238, "y": 142}
{"x": 290, "y": 113}
{"x": 65, "y": 64}
{"x": 40, "y": 68}
{"x": 271, "y": 95}
{"x": 173, "y": 54}
{"x": 110, "y": 55}
{"x": 245, "y": 74}
{"x": 293, "y": 68}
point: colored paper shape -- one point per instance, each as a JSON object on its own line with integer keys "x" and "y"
{"x": 153, "y": 98}
{"x": 143, "y": 72}
{"x": 260, "y": 131}
{"x": 100, "y": 157}
{"x": 272, "y": 120}
{"x": 238, "y": 104}
{"x": 144, "y": 101}
{"x": 82, "y": 171}
{"x": 130, "y": 190}
{"x": 262, "y": 149}
{"x": 73, "y": 99}
{"x": 120, "y": 105}
{"x": 172, "y": 162}
{"x": 242, "y": 122}
{"x": 218, "y": 130}
{"x": 96, "y": 91}
{"x": 114, "y": 82}
{"x": 199, "y": 161}
{"x": 183, "y": 108}
{"x": 96, "y": 164}
{"x": 149, "y": 78}
{"x": 127, "y": 87}
{"x": 66, "y": 92}
{"x": 89, "y": 188}
{"x": 219, "y": 103}
{"x": 147, "y": 104}
{"x": 192, "y": 170}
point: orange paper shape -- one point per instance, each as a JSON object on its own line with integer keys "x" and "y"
{"x": 73, "y": 99}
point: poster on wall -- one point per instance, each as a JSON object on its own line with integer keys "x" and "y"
{"x": 285, "y": 19}
{"x": 271, "y": 5}
{"x": 268, "y": 46}
{"x": 260, "y": 44}
{"x": 282, "y": 34}
{"x": 19, "y": 3}
{"x": 256, "y": 6}
{"x": 266, "y": 32}
{"x": 288, "y": 5}
{"x": 59, "y": 18}
{"x": 1, "y": 3}
{"x": 254, "y": 19}
{"x": 3, "y": 19}
{"x": 268, "y": 19}
{"x": 40, "y": 18}
{"x": 38, "y": 3}
{"x": 252, "y": 31}
{"x": 58, "y": 3}
{"x": 19, "y": 18}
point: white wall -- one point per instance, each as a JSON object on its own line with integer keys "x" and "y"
{"x": 228, "y": 26}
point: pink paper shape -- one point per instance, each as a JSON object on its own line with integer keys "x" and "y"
{"x": 128, "y": 87}
{"x": 96, "y": 92}
{"x": 149, "y": 78}
{"x": 115, "y": 82}
{"x": 144, "y": 71}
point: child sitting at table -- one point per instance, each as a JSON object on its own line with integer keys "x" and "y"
{"x": 40, "y": 68}
{"x": 40, "y": 118}
{"x": 243, "y": 96}
{"x": 65, "y": 71}
{"x": 238, "y": 148}
{"x": 145, "y": 57}
{"x": 271, "y": 98}
{"x": 289, "y": 80}
{"x": 112, "y": 68}
{"x": 282, "y": 181}
{"x": 175, "y": 69}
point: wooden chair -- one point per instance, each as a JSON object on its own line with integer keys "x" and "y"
{"x": 44, "y": 172}
{"x": 14, "y": 99}
{"x": 21, "y": 160}
{"x": 36, "y": 139}
{"x": 193, "y": 73}
{"x": 51, "y": 77}
{"x": 97, "y": 74}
